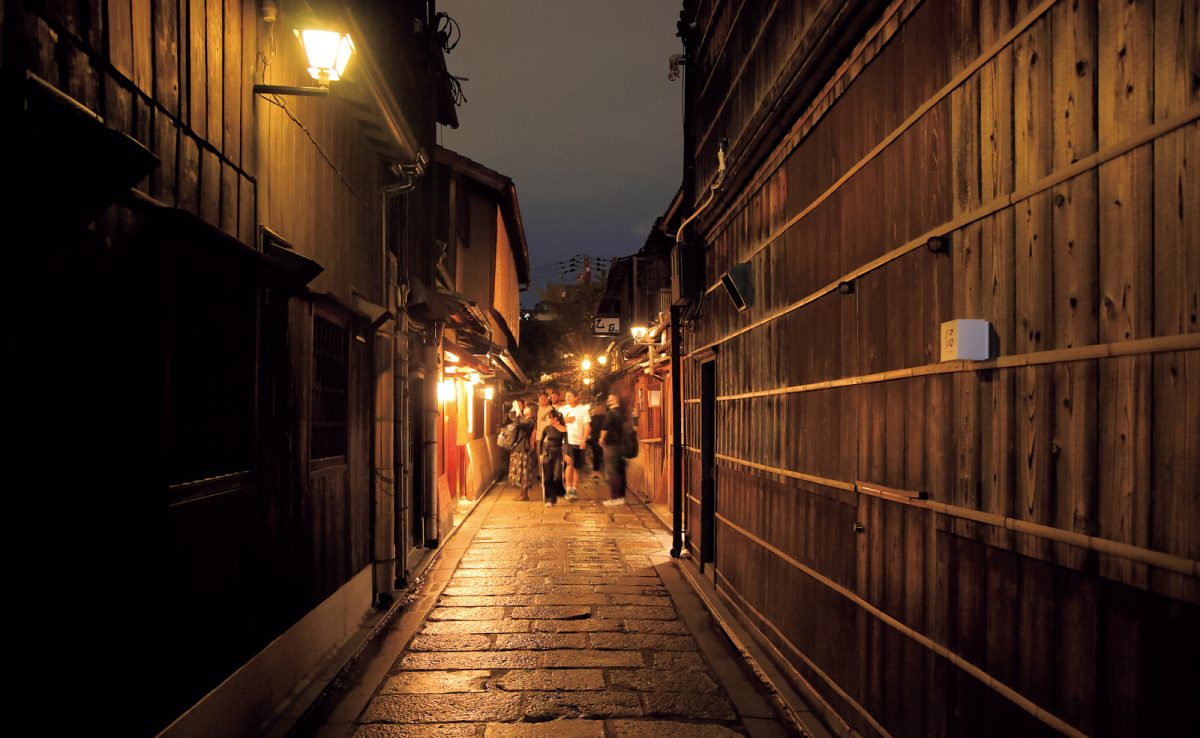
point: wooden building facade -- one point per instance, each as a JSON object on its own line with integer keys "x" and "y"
{"x": 935, "y": 548}
{"x": 243, "y": 477}
{"x": 484, "y": 267}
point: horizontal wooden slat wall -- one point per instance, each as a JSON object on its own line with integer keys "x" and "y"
{"x": 1053, "y": 146}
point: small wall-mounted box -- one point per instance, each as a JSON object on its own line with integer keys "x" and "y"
{"x": 966, "y": 340}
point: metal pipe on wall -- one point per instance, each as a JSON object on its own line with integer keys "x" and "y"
{"x": 676, "y": 434}
{"x": 429, "y": 417}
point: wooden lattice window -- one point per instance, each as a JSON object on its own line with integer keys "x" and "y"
{"x": 331, "y": 389}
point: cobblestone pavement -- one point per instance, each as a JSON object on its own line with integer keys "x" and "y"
{"x": 556, "y": 623}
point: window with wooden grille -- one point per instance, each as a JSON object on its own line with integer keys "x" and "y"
{"x": 331, "y": 389}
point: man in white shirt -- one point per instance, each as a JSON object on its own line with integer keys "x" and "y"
{"x": 578, "y": 421}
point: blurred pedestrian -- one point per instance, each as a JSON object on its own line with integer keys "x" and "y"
{"x": 551, "y": 445}
{"x": 520, "y": 460}
{"x": 597, "y": 411}
{"x": 612, "y": 439}
{"x": 578, "y": 421}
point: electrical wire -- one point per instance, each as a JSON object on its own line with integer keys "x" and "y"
{"x": 278, "y": 101}
{"x": 448, "y": 30}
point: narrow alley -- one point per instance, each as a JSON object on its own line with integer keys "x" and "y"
{"x": 569, "y": 620}
{"x": 878, "y": 319}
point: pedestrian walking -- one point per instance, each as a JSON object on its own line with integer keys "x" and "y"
{"x": 597, "y": 411}
{"x": 612, "y": 439}
{"x": 520, "y": 461}
{"x": 550, "y": 453}
{"x": 578, "y": 422}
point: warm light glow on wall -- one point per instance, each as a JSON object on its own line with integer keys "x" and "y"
{"x": 451, "y": 357}
{"x": 469, "y": 392}
{"x": 474, "y": 378}
{"x": 446, "y": 390}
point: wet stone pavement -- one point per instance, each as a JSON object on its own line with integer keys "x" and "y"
{"x": 556, "y": 622}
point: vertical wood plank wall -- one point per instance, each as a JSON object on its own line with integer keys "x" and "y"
{"x": 1055, "y": 146}
{"x": 177, "y": 75}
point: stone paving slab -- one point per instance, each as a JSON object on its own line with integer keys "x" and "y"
{"x": 450, "y": 642}
{"x": 555, "y": 622}
{"x": 551, "y": 680}
{"x": 503, "y": 625}
{"x": 667, "y": 729}
{"x": 541, "y": 706}
{"x": 437, "y": 682}
{"x": 433, "y": 708}
{"x": 425, "y": 730}
{"x": 556, "y": 728}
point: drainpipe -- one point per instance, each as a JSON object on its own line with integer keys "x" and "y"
{"x": 676, "y": 434}
{"x": 677, "y": 377}
{"x": 429, "y": 418}
{"x": 388, "y": 512}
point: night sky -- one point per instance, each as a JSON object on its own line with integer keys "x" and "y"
{"x": 571, "y": 100}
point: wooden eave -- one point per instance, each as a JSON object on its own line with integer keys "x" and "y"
{"x": 379, "y": 106}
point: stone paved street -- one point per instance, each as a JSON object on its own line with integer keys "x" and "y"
{"x": 556, "y": 622}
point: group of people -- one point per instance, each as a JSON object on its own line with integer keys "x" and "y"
{"x": 552, "y": 440}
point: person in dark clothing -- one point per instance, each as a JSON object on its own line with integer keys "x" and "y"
{"x": 612, "y": 437}
{"x": 550, "y": 453}
{"x": 597, "y": 426}
{"x": 521, "y": 471}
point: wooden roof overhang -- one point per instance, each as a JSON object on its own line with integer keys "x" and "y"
{"x": 66, "y": 161}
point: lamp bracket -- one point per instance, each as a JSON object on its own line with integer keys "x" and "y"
{"x": 291, "y": 90}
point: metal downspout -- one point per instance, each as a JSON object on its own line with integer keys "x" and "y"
{"x": 676, "y": 434}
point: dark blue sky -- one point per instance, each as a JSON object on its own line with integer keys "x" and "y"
{"x": 570, "y": 99}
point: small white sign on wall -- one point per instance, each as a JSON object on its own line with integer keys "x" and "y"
{"x": 655, "y": 398}
{"x": 968, "y": 340}
{"x": 605, "y": 325}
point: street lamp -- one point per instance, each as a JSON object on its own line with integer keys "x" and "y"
{"x": 587, "y": 364}
{"x": 602, "y": 359}
{"x": 328, "y": 54}
{"x": 638, "y": 331}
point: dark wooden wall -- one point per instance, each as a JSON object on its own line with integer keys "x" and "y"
{"x": 208, "y": 574}
{"x": 1053, "y": 146}
{"x": 175, "y": 75}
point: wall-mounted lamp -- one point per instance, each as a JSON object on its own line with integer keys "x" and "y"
{"x": 474, "y": 378}
{"x": 587, "y": 381}
{"x": 328, "y": 53}
{"x": 602, "y": 359}
{"x": 489, "y": 393}
{"x": 446, "y": 390}
{"x": 638, "y": 331}
{"x": 451, "y": 357}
